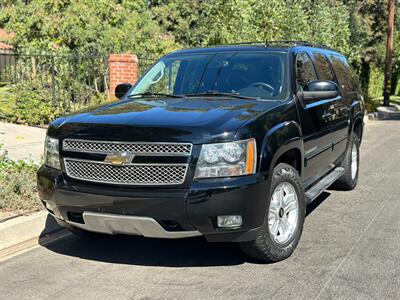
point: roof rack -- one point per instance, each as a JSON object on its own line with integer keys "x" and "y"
{"x": 309, "y": 44}
{"x": 291, "y": 42}
{"x": 248, "y": 43}
{"x": 288, "y": 42}
{"x": 244, "y": 43}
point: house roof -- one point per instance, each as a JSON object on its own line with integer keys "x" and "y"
{"x": 4, "y": 46}
{"x": 4, "y": 37}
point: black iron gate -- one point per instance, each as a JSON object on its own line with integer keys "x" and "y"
{"x": 74, "y": 80}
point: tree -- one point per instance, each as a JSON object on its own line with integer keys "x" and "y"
{"x": 179, "y": 18}
{"x": 85, "y": 25}
{"x": 356, "y": 28}
{"x": 389, "y": 52}
{"x": 240, "y": 20}
{"x": 368, "y": 35}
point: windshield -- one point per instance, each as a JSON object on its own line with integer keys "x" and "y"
{"x": 252, "y": 74}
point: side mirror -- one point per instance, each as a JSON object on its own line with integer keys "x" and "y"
{"x": 122, "y": 89}
{"x": 320, "y": 90}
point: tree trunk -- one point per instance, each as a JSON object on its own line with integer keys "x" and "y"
{"x": 365, "y": 76}
{"x": 389, "y": 53}
{"x": 395, "y": 81}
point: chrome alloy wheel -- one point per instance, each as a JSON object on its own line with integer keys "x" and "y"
{"x": 354, "y": 161}
{"x": 283, "y": 212}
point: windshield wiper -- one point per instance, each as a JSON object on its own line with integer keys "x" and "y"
{"x": 148, "y": 94}
{"x": 217, "y": 93}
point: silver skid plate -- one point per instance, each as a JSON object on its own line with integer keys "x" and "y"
{"x": 121, "y": 224}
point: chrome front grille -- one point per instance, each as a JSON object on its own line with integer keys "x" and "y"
{"x": 129, "y": 174}
{"x": 137, "y": 148}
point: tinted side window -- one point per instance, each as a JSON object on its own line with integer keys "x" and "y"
{"x": 304, "y": 71}
{"x": 343, "y": 73}
{"x": 323, "y": 68}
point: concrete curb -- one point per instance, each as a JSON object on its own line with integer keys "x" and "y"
{"x": 389, "y": 112}
{"x": 21, "y": 229}
{"x": 371, "y": 116}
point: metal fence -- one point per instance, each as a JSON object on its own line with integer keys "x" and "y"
{"x": 145, "y": 62}
{"x": 74, "y": 80}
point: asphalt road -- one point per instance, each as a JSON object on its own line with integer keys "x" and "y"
{"x": 350, "y": 248}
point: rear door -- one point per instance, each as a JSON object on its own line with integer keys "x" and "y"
{"x": 349, "y": 90}
{"x": 315, "y": 129}
{"x": 337, "y": 115}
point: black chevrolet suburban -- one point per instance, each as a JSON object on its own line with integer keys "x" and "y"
{"x": 230, "y": 143}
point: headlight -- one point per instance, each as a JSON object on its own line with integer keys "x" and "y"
{"x": 51, "y": 154}
{"x": 227, "y": 159}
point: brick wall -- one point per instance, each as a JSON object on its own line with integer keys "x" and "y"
{"x": 123, "y": 68}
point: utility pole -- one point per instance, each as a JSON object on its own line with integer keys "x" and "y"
{"x": 389, "y": 52}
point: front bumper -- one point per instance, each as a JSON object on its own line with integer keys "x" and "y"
{"x": 157, "y": 212}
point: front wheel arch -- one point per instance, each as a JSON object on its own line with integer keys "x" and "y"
{"x": 280, "y": 140}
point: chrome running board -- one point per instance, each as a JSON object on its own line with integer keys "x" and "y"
{"x": 323, "y": 184}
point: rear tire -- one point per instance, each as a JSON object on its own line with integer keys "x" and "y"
{"x": 274, "y": 243}
{"x": 348, "y": 181}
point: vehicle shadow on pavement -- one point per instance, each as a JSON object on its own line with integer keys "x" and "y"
{"x": 135, "y": 250}
{"x": 317, "y": 202}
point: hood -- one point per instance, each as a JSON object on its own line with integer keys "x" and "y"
{"x": 195, "y": 120}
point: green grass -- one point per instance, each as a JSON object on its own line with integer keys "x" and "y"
{"x": 5, "y": 102}
{"x": 393, "y": 100}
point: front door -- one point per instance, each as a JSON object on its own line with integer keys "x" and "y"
{"x": 315, "y": 127}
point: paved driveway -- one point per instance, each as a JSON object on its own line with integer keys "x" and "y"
{"x": 22, "y": 142}
{"x": 350, "y": 249}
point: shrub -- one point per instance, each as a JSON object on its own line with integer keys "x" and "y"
{"x": 18, "y": 192}
{"x": 5, "y": 103}
{"x": 32, "y": 103}
{"x": 371, "y": 105}
{"x": 375, "y": 83}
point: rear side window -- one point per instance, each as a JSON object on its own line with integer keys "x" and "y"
{"x": 323, "y": 68}
{"x": 304, "y": 71}
{"x": 343, "y": 73}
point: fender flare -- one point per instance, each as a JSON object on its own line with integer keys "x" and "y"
{"x": 279, "y": 139}
{"x": 356, "y": 113}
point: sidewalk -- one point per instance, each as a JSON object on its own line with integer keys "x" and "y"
{"x": 22, "y": 142}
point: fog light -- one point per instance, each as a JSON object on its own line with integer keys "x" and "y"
{"x": 229, "y": 221}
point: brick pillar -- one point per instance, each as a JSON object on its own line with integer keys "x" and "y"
{"x": 123, "y": 69}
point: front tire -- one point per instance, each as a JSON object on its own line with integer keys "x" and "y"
{"x": 284, "y": 218}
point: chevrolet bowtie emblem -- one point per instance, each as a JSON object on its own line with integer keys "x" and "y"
{"x": 119, "y": 159}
